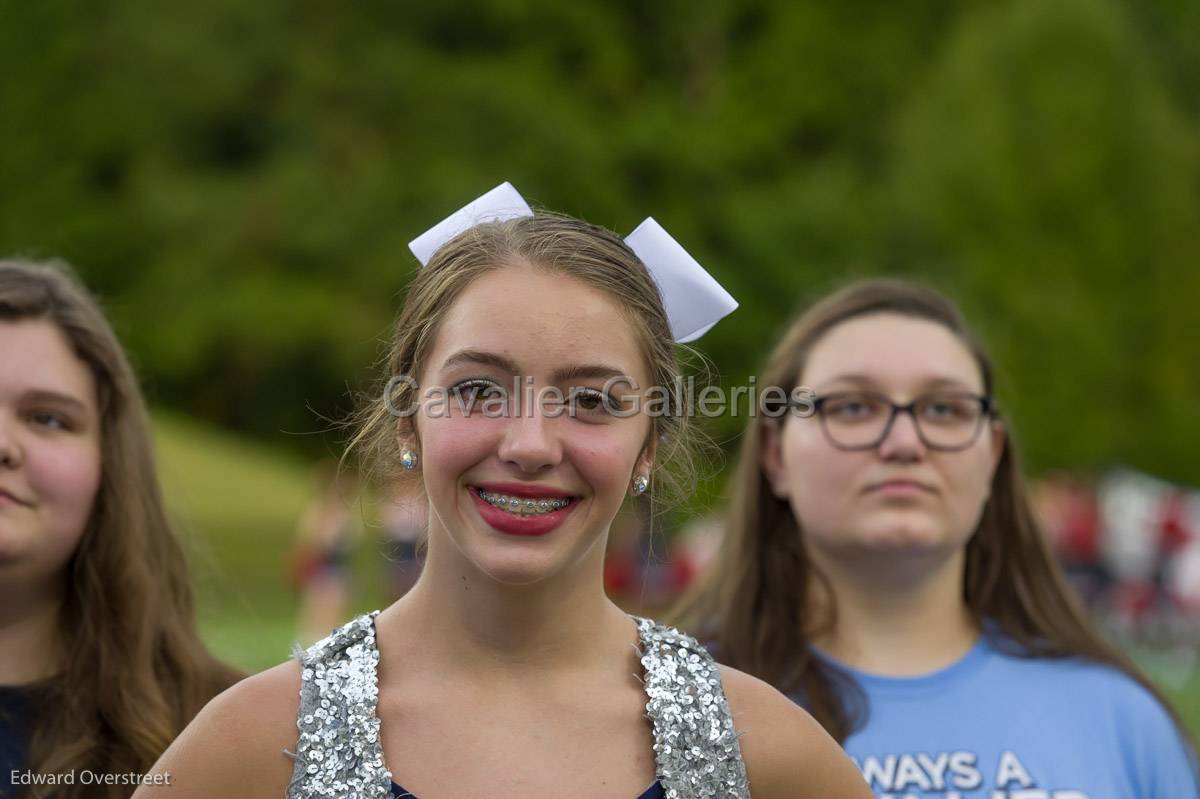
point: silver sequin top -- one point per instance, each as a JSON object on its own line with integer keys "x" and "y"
{"x": 338, "y": 753}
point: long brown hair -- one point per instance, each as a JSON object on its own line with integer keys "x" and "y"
{"x": 134, "y": 669}
{"x": 757, "y": 605}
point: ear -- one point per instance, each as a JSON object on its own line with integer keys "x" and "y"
{"x": 770, "y": 456}
{"x": 645, "y": 461}
{"x": 406, "y": 434}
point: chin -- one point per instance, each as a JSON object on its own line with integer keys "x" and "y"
{"x": 901, "y": 541}
{"x": 515, "y": 569}
{"x": 12, "y": 544}
{"x": 515, "y": 579}
{"x": 904, "y": 531}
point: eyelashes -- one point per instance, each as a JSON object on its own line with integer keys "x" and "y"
{"x": 579, "y": 400}
{"x": 593, "y": 400}
{"x": 50, "y": 420}
{"x": 469, "y": 391}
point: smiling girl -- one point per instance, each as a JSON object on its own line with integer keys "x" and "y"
{"x": 506, "y": 671}
{"x": 100, "y": 662}
{"x": 883, "y": 567}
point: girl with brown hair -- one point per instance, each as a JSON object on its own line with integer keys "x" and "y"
{"x": 100, "y": 662}
{"x": 505, "y": 671}
{"x": 882, "y": 566}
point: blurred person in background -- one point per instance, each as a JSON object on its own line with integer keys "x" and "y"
{"x": 101, "y": 665}
{"x": 402, "y": 515}
{"x": 1147, "y": 525}
{"x": 1127, "y": 542}
{"x": 1067, "y": 512}
{"x": 326, "y": 534}
{"x": 883, "y": 567}
{"x": 698, "y": 545}
{"x": 506, "y": 671}
{"x": 644, "y": 568}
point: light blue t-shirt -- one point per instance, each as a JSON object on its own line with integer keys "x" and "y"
{"x": 997, "y": 726}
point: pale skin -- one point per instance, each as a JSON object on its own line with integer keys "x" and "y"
{"x": 506, "y": 671}
{"x": 49, "y": 476}
{"x": 895, "y": 558}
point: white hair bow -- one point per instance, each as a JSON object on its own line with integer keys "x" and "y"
{"x": 693, "y": 299}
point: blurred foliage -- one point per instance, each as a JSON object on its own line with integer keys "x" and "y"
{"x": 239, "y": 180}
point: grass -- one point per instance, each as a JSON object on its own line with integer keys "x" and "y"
{"x": 238, "y": 503}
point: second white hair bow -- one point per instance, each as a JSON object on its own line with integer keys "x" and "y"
{"x": 693, "y": 299}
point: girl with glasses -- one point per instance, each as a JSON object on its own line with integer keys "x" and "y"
{"x": 882, "y": 567}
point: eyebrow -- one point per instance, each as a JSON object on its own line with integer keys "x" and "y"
{"x": 58, "y": 398}
{"x": 869, "y": 381}
{"x": 560, "y": 375}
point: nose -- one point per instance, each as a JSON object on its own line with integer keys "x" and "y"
{"x": 902, "y": 441}
{"x": 10, "y": 451}
{"x": 531, "y": 442}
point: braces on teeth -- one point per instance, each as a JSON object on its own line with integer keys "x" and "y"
{"x": 522, "y": 506}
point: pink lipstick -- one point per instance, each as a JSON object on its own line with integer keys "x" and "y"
{"x": 540, "y": 516}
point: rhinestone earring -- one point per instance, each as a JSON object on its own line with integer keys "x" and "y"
{"x": 408, "y": 459}
{"x": 640, "y": 484}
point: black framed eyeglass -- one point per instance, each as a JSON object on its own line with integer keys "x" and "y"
{"x": 947, "y": 421}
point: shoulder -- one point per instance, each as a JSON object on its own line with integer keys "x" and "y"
{"x": 1156, "y": 751}
{"x": 787, "y": 753}
{"x": 1084, "y": 683}
{"x": 236, "y": 745}
{"x": 1120, "y": 714}
{"x": 260, "y": 702}
{"x": 1154, "y": 748}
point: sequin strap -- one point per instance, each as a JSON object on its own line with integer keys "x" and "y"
{"x": 338, "y": 752}
{"x": 695, "y": 744}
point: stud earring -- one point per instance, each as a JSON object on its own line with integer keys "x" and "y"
{"x": 640, "y": 484}
{"x": 408, "y": 459}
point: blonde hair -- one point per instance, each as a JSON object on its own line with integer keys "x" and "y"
{"x": 563, "y": 245}
{"x": 135, "y": 670}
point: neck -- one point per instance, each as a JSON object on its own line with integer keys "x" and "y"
{"x": 465, "y": 619}
{"x": 898, "y": 616}
{"x": 29, "y": 634}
